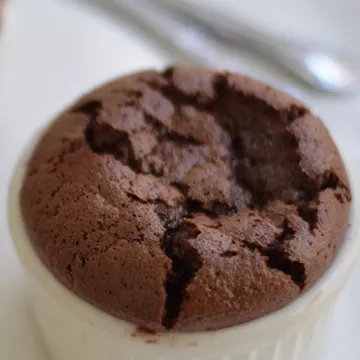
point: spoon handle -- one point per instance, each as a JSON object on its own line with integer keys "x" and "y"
{"x": 227, "y": 29}
{"x": 195, "y": 45}
{"x": 194, "y": 34}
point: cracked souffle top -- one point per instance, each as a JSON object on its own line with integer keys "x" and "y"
{"x": 187, "y": 199}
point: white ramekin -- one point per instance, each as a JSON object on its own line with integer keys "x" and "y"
{"x": 72, "y": 329}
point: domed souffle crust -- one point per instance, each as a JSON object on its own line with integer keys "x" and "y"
{"x": 186, "y": 200}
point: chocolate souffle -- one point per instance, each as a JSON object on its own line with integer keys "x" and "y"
{"x": 186, "y": 200}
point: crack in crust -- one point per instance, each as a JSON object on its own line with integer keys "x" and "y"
{"x": 186, "y": 262}
{"x": 277, "y": 257}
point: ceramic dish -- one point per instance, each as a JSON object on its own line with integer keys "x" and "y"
{"x": 73, "y": 329}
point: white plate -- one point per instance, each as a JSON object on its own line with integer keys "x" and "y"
{"x": 52, "y": 50}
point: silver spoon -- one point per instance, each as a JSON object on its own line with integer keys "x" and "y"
{"x": 327, "y": 70}
{"x": 324, "y": 69}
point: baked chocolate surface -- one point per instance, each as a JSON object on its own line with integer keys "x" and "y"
{"x": 186, "y": 200}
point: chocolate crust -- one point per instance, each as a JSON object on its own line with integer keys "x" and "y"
{"x": 186, "y": 200}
